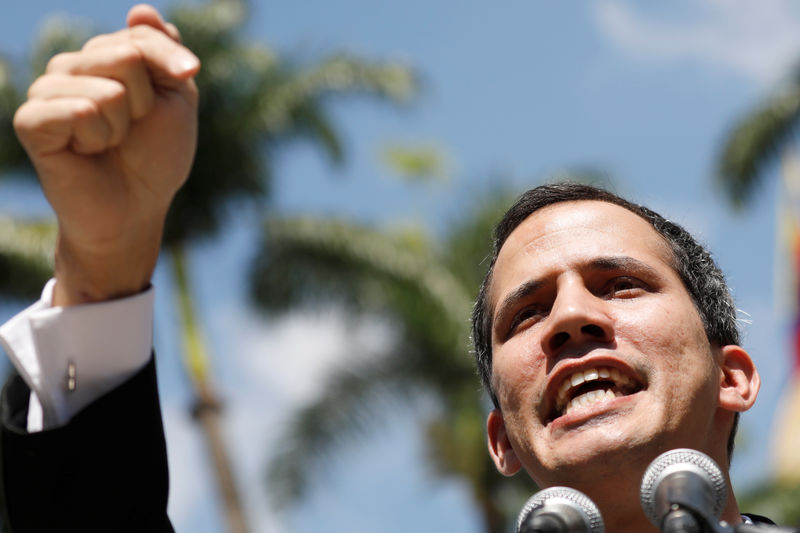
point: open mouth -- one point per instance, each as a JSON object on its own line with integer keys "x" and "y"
{"x": 586, "y": 387}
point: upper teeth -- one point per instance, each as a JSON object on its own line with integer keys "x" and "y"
{"x": 592, "y": 374}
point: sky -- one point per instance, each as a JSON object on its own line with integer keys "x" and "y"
{"x": 513, "y": 92}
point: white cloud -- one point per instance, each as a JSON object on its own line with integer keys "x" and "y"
{"x": 758, "y": 41}
{"x": 291, "y": 355}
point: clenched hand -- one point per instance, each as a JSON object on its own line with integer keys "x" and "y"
{"x": 111, "y": 130}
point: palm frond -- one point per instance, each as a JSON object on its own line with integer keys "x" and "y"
{"x": 756, "y": 141}
{"x": 310, "y": 121}
{"x": 418, "y": 162}
{"x": 338, "y": 75}
{"x": 357, "y": 249}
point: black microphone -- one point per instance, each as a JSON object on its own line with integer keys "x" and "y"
{"x": 560, "y": 510}
{"x": 683, "y": 490}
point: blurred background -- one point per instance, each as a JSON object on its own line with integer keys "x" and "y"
{"x": 312, "y": 297}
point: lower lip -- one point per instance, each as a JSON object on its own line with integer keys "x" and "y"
{"x": 582, "y": 415}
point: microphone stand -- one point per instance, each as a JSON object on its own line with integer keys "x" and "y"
{"x": 685, "y": 517}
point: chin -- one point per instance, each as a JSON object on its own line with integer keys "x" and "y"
{"x": 591, "y": 455}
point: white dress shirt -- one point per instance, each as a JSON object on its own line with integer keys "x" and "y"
{"x": 70, "y": 356}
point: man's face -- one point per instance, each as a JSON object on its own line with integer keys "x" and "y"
{"x": 597, "y": 346}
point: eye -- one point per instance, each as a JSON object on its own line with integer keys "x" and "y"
{"x": 624, "y": 287}
{"x": 527, "y": 316}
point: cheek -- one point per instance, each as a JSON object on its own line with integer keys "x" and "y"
{"x": 663, "y": 327}
{"x": 517, "y": 374}
{"x": 671, "y": 338}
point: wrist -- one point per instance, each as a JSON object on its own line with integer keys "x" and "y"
{"x": 86, "y": 274}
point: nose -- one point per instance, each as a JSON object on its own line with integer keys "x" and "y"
{"x": 577, "y": 317}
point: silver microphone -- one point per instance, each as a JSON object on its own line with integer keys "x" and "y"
{"x": 685, "y": 484}
{"x": 560, "y": 510}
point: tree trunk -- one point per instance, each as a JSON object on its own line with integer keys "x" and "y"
{"x": 207, "y": 408}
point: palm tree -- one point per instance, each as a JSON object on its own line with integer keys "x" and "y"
{"x": 425, "y": 290}
{"x": 755, "y": 141}
{"x": 252, "y": 103}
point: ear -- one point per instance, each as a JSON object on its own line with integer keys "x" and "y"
{"x": 739, "y": 381}
{"x": 503, "y": 455}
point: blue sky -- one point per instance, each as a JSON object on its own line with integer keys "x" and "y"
{"x": 514, "y": 92}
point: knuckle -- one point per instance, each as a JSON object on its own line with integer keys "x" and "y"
{"x": 104, "y": 39}
{"x": 21, "y": 121}
{"x": 84, "y": 109}
{"x": 59, "y": 62}
{"x": 143, "y": 31}
{"x": 29, "y": 121}
{"x": 96, "y": 41}
{"x": 174, "y": 32}
{"x": 37, "y": 86}
{"x": 126, "y": 55}
{"x": 113, "y": 91}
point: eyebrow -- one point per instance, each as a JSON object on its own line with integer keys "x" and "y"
{"x": 605, "y": 264}
{"x": 510, "y": 302}
{"x": 623, "y": 262}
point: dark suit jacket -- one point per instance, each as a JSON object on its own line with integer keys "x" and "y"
{"x": 105, "y": 471}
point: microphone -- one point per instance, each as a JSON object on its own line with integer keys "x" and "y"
{"x": 560, "y": 510}
{"x": 681, "y": 486}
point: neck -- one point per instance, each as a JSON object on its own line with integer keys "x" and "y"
{"x": 620, "y": 507}
{"x": 619, "y": 504}
{"x": 731, "y": 513}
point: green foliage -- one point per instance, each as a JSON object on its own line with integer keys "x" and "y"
{"x": 425, "y": 290}
{"x": 422, "y": 162}
{"x": 26, "y": 251}
{"x": 757, "y": 139}
{"x": 12, "y": 156}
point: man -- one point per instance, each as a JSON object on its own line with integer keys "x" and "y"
{"x": 591, "y": 334}
{"x": 605, "y": 336}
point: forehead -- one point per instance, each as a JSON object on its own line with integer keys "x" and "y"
{"x": 562, "y": 234}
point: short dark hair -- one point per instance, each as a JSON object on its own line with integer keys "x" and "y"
{"x": 699, "y": 273}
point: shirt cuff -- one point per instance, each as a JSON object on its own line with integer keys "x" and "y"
{"x": 71, "y": 356}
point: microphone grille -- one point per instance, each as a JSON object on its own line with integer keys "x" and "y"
{"x": 564, "y": 495}
{"x": 685, "y": 457}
